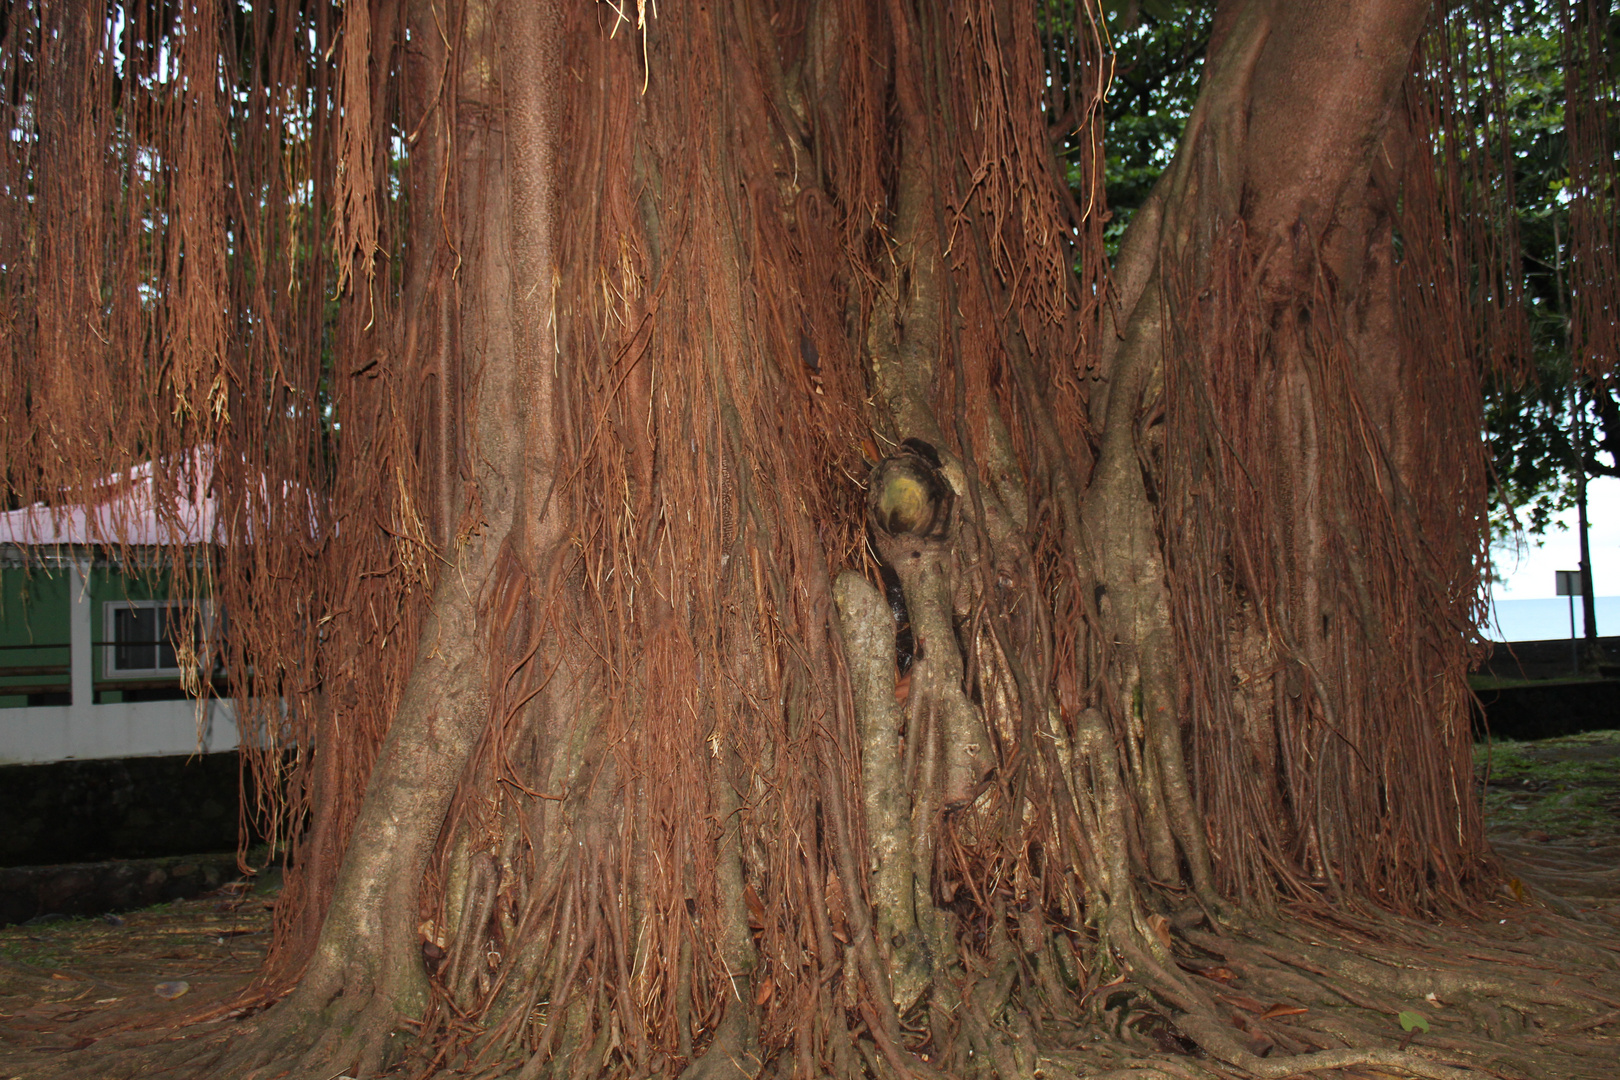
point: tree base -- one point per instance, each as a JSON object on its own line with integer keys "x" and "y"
{"x": 1517, "y": 992}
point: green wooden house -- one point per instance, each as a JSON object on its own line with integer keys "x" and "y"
{"x": 95, "y": 654}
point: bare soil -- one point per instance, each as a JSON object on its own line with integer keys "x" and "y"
{"x": 88, "y": 998}
{"x": 81, "y": 997}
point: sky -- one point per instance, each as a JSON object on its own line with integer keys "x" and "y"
{"x": 1527, "y": 607}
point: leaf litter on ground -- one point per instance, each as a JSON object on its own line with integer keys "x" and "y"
{"x": 71, "y": 984}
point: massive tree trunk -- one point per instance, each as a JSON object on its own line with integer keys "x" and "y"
{"x": 1313, "y": 582}
{"x": 714, "y": 814}
{"x": 791, "y": 610}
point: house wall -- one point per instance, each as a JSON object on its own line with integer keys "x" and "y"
{"x": 45, "y": 733}
{"x": 61, "y": 602}
{"x": 34, "y": 606}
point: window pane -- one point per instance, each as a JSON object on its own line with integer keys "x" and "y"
{"x": 135, "y": 631}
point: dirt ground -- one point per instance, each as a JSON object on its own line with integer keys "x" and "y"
{"x": 113, "y": 997}
{"x": 74, "y": 991}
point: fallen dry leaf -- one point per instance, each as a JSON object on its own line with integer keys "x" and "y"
{"x": 1244, "y": 1002}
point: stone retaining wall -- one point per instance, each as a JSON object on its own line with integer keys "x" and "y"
{"x": 32, "y": 892}
{"x": 119, "y": 808}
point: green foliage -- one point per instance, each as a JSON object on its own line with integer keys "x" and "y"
{"x": 1412, "y": 1021}
{"x": 1158, "y": 59}
{"x": 1529, "y": 426}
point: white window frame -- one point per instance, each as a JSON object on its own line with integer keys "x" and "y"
{"x": 109, "y": 661}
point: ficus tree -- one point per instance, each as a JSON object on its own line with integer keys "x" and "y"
{"x": 726, "y": 575}
{"x": 1536, "y": 126}
{"x": 1556, "y": 424}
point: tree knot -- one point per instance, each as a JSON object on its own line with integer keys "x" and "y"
{"x": 908, "y": 494}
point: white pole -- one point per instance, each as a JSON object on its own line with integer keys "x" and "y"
{"x": 79, "y": 655}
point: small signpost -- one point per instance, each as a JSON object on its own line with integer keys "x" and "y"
{"x": 1569, "y": 584}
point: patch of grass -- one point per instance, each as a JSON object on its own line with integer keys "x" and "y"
{"x": 1568, "y": 786}
{"x": 44, "y": 946}
{"x": 172, "y": 932}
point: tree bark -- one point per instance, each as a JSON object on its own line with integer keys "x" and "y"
{"x": 846, "y": 631}
{"x": 648, "y": 448}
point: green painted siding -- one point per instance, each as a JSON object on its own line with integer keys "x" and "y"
{"x": 35, "y": 616}
{"x": 34, "y": 626}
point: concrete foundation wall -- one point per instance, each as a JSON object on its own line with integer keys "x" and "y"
{"x": 124, "y": 729}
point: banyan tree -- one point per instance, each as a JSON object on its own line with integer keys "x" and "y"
{"x": 725, "y": 574}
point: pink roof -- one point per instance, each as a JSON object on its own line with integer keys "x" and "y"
{"x": 130, "y": 514}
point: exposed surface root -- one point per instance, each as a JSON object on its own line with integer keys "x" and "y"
{"x": 305, "y": 1039}
{"x": 1520, "y": 993}
{"x": 1409, "y": 998}
{"x": 1575, "y": 869}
